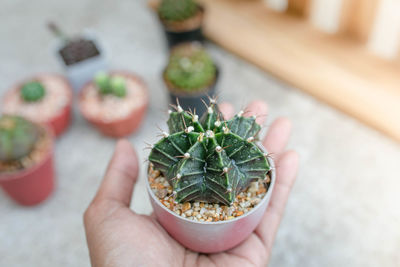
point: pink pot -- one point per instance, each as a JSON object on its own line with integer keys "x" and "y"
{"x": 121, "y": 127}
{"x": 31, "y": 186}
{"x": 211, "y": 237}
{"x": 60, "y": 121}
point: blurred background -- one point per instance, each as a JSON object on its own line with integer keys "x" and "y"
{"x": 343, "y": 55}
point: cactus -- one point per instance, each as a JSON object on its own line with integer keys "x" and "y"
{"x": 32, "y": 91}
{"x": 210, "y": 159}
{"x": 177, "y": 10}
{"x": 190, "y": 68}
{"x": 17, "y": 137}
{"x": 110, "y": 85}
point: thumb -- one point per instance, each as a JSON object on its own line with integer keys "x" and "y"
{"x": 121, "y": 175}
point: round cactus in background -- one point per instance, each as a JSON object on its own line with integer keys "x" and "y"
{"x": 209, "y": 159}
{"x": 177, "y": 10}
{"x": 190, "y": 68}
{"x": 18, "y": 137}
{"x": 32, "y": 91}
{"x": 109, "y": 85}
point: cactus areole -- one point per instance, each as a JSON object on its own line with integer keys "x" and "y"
{"x": 209, "y": 159}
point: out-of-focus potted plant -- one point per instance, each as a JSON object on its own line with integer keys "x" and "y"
{"x": 44, "y": 98}
{"x": 26, "y": 160}
{"x": 80, "y": 56}
{"x": 209, "y": 179}
{"x": 191, "y": 77}
{"x": 182, "y": 20}
{"x": 115, "y": 103}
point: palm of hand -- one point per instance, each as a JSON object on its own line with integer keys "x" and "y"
{"x": 119, "y": 237}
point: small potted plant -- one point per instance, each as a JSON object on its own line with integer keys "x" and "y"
{"x": 182, "y": 20}
{"x": 80, "y": 56}
{"x": 191, "y": 76}
{"x": 114, "y": 102}
{"x": 209, "y": 179}
{"x": 45, "y": 98}
{"x": 26, "y": 160}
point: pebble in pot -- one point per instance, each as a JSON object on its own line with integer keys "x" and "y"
{"x": 26, "y": 160}
{"x": 182, "y": 21}
{"x": 210, "y": 180}
{"x": 191, "y": 77}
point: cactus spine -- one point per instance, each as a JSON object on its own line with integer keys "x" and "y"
{"x": 17, "y": 137}
{"x": 210, "y": 159}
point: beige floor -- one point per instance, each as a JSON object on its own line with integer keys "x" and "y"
{"x": 344, "y": 210}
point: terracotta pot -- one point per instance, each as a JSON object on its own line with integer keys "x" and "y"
{"x": 33, "y": 185}
{"x": 60, "y": 121}
{"x": 192, "y": 100}
{"x": 211, "y": 237}
{"x": 178, "y": 36}
{"x": 121, "y": 127}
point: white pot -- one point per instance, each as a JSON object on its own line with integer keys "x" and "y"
{"x": 82, "y": 72}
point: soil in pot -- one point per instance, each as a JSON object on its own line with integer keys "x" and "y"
{"x": 78, "y": 50}
{"x": 182, "y": 21}
{"x": 191, "y": 77}
{"x": 208, "y": 212}
{"x": 105, "y": 107}
{"x": 46, "y": 98}
{"x": 26, "y": 166}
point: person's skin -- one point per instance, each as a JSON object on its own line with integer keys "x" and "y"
{"x": 117, "y": 236}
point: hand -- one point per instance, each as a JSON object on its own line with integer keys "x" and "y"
{"x": 117, "y": 236}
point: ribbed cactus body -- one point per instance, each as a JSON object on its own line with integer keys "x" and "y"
{"x": 210, "y": 159}
{"x": 17, "y": 137}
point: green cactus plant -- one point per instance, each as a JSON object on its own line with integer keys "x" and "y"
{"x": 210, "y": 159}
{"x": 177, "y": 10}
{"x": 190, "y": 68}
{"x": 18, "y": 137}
{"x": 32, "y": 91}
{"x": 107, "y": 84}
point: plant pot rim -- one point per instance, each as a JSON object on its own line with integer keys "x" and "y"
{"x": 164, "y": 22}
{"x": 196, "y": 93}
{"x": 100, "y": 120}
{"x": 264, "y": 199}
{"x": 8, "y": 176}
{"x": 38, "y": 76}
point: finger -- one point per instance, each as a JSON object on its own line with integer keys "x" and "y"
{"x": 286, "y": 172}
{"x": 278, "y": 136}
{"x": 226, "y": 109}
{"x": 121, "y": 175}
{"x": 259, "y": 109}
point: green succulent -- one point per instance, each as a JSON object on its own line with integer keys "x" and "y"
{"x": 177, "y": 10}
{"x": 210, "y": 159}
{"x": 110, "y": 85}
{"x": 32, "y": 91}
{"x": 17, "y": 137}
{"x": 190, "y": 68}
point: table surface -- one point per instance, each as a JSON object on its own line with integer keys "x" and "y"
{"x": 344, "y": 208}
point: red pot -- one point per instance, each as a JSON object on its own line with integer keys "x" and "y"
{"x": 121, "y": 127}
{"x": 211, "y": 237}
{"x": 31, "y": 186}
{"x": 60, "y": 121}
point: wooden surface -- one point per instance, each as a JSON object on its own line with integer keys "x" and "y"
{"x": 299, "y": 8}
{"x": 337, "y": 71}
{"x": 358, "y": 17}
